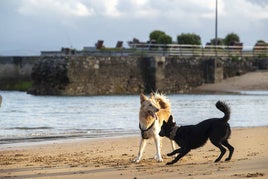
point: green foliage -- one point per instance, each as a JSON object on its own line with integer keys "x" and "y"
{"x": 261, "y": 42}
{"x": 231, "y": 39}
{"x": 220, "y": 41}
{"x": 164, "y": 39}
{"x": 234, "y": 58}
{"x": 160, "y": 37}
{"x": 156, "y": 34}
{"x": 19, "y": 86}
{"x": 188, "y": 38}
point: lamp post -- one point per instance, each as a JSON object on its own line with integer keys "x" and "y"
{"x": 216, "y": 24}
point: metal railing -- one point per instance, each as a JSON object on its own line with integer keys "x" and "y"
{"x": 198, "y": 50}
{"x": 171, "y": 50}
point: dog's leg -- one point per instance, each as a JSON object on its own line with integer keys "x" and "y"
{"x": 141, "y": 148}
{"x": 158, "y": 146}
{"x": 175, "y": 151}
{"x": 230, "y": 148}
{"x": 182, "y": 153}
{"x": 172, "y": 144}
{"x": 223, "y": 150}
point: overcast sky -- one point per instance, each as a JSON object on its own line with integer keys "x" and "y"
{"x": 31, "y": 26}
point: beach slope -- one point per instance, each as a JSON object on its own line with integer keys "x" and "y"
{"x": 252, "y": 81}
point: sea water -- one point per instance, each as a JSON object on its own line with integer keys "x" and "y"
{"x": 27, "y": 118}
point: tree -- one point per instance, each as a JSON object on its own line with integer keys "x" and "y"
{"x": 261, "y": 42}
{"x": 220, "y": 41}
{"x": 154, "y": 35}
{"x": 160, "y": 37}
{"x": 188, "y": 38}
{"x": 164, "y": 39}
{"x": 231, "y": 39}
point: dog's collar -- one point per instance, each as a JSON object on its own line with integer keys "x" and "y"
{"x": 173, "y": 132}
{"x": 144, "y": 130}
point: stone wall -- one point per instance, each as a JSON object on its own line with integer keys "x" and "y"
{"x": 15, "y": 70}
{"x": 179, "y": 75}
{"x": 91, "y": 75}
{"x": 234, "y": 67}
{"x": 104, "y": 75}
{"x": 85, "y": 75}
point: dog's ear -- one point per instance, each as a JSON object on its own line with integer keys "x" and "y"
{"x": 143, "y": 98}
{"x": 171, "y": 121}
{"x": 151, "y": 95}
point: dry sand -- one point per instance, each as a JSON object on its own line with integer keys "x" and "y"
{"x": 250, "y": 81}
{"x": 111, "y": 158}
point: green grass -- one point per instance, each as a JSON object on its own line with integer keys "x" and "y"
{"x": 20, "y": 86}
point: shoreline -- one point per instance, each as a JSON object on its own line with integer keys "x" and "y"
{"x": 29, "y": 143}
{"x": 111, "y": 158}
{"x": 20, "y": 142}
{"x": 33, "y": 143}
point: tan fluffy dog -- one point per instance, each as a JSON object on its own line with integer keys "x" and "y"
{"x": 153, "y": 111}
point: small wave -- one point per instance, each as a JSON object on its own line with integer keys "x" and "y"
{"x": 254, "y": 92}
{"x": 34, "y": 139}
{"x": 51, "y": 137}
{"x": 29, "y": 128}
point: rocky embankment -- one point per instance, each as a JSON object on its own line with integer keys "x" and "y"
{"x": 90, "y": 75}
{"x": 49, "y": 76}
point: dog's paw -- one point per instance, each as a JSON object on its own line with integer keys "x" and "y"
{"x": 169, "y": 163}
{"x": 217, "y": 160}
{"x": 136, "y": 160}
{"x": 227, "y": 159}
{"x": 169, "y": 154}
{"x": 159, "y": 160}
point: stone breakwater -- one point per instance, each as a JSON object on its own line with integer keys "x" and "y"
{"x": 88, "y": 75}
{"x": 15, "y": 72}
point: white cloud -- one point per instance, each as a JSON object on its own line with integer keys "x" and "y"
{"x": 54, "y": 7}
{"x": 86, "y": 21}
{"x": 111, "y": 8}
{"x": 244, "y": 9}
{"x": 145, "y": 8}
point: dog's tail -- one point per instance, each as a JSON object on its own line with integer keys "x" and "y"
{"x": 225, "y": 109}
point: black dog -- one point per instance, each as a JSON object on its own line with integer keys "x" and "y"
{"x": 194, "y": 136}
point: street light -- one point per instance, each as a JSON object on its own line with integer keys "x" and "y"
{"x": 216, "y": 24}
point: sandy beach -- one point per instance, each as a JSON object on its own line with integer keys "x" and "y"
{"x": 112, "y": 157}
{"x": 252, "y": 81}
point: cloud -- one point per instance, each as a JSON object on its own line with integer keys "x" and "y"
{"x": 246, "y": 9}
{"x": 259, "y": 2}
{"x": 80, "y": 23}
{"x": 111, "y": 8}
{"x": 54, "y": 8}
